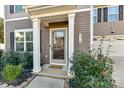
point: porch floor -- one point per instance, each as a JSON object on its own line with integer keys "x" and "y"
{"x": 54, "y": 72}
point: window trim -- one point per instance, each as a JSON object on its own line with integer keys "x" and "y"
{"x": 96, "y": 21}
{"x": 25, "y": 42}
{"x": 113, "y": 13}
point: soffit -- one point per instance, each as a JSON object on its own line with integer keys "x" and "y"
{"x": 50, "y": 10}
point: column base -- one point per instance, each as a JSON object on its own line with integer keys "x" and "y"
{"x": 36, "y": 71}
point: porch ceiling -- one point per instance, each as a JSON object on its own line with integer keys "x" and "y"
{"x": 58, "y": 18}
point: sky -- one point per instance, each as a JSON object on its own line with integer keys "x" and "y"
{"x": 2, "y": 11}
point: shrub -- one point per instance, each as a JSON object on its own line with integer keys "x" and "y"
{"x": 11, "y": 72}
{"x": 26, "y": 59}
{"x": 16, "y": 58}
{"x": 92, "y": 70}
{"x": 9, "y": 58}
{"x": 1, "y": 52}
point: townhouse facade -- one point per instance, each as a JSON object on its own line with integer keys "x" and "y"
{"x": 52, "y": 32}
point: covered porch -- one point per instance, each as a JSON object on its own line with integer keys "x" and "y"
{"x": 53, "y": 39}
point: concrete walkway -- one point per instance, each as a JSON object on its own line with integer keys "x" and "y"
{"x": 45, "y": 82}
{"x": 118, "y": 73}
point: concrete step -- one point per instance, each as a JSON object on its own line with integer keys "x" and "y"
{"x": 55, "y": 76}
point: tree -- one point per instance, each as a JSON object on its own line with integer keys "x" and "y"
{"x": 1, "y": 30}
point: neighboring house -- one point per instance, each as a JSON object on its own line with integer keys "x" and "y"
{"x": 52, "y": 32}
{"x": 109, "y": 21}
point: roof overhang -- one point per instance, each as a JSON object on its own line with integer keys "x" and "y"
{"x": 53, "y": 13}
{"x": 39, "y": 11}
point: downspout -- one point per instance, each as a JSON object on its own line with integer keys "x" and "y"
{"x": 26, "y": 11}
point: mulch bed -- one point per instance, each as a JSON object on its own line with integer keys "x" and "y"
{"x": 25, "y": 75}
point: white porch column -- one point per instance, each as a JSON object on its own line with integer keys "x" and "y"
{"x": 36, "y": 45}
{"x": 71, "y": 19}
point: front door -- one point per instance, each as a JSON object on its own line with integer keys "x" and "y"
{"x": 58, "y": 46}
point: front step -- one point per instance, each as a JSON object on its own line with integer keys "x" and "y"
{"x": 54, "y": 71}
{"x": 55, "y": 76}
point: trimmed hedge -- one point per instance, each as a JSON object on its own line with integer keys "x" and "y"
{"x": 16, "y": 58}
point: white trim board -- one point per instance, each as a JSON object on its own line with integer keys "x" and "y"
{"x": 24, "y": 30}
{"x": 82, "y": 10}
{"x": 15, "y": 19}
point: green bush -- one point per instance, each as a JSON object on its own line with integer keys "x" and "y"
{"x": 1, "y": 52}
{"x": 26, "y": 59}
{"x": 16, "y": 58}
{"x": 11, "y": 72}
{"x": 92, "y": 70}
{"x": 9, "y": 58}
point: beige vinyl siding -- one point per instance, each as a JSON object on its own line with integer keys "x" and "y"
{"x": 82, "y": 25}
{"x": 45, "y": 45}
{"x": 13, "y": 16}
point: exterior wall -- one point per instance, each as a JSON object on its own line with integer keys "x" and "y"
{"x": 14, "y": 25}
{"x": 82, "y": 25}
{"x": 104, "y": 28}
{"x": 45, "y": 45}
{"x": 15, "y": 15}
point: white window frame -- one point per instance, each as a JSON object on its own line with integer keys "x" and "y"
{"x": 95, "y": 15}
{"x": 25, "y": 42}
{"x": 113, "y": 13}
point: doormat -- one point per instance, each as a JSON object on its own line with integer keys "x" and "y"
{"x": 56, "y": 66}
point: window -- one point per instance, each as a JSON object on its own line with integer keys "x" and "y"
{"x": 29, "y": 41}
{"x": 105, "y": 14}
{"x": 16, "y": 9}
{"x": 99, "y": 14}
{"x": 113, "y": 13}
{"x": 19, "y": 41}
{"x": 95, "y": 15}
{"x": 24, "y": 40}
